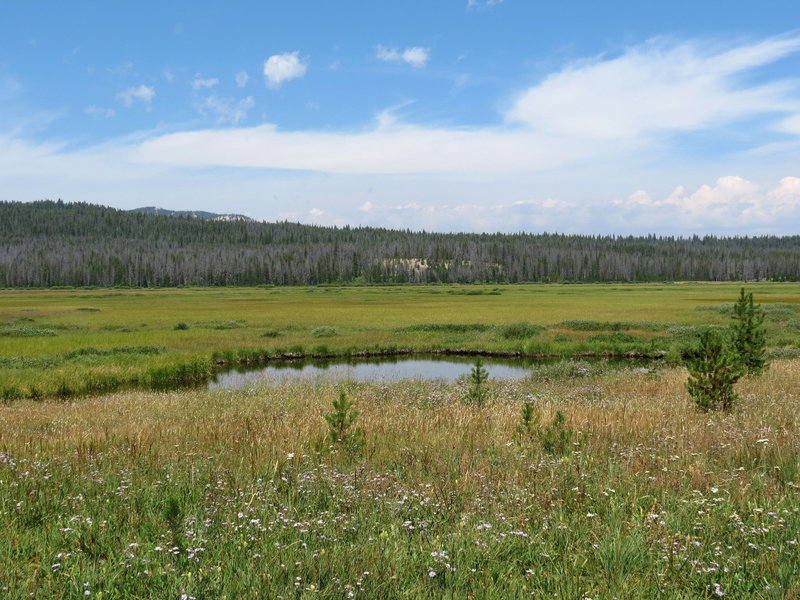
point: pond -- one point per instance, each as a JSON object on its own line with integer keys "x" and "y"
{"x": 387, "y": 370}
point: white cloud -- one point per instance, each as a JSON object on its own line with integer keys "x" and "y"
{"x": 388, "y": 55}
{"x": 316, "y": 212}
{"x": 790, "y": 125}
{"x": 203, "y": 83}
{"x": 143, "y": 93}
{"x": 388, "y": 148}
{"x": 657, "y": 87}
{"x": 588, "y": 133}
{"x": 283, "y": 67}
{"x": 416, "y": 56}
{"x": 568, "y": 120}
{"x": 168, "y": 75}
{"x": 227, "y": 110}
{"x": 242, "y": 78}
{"x": 99, "y": 110}
{"x": 734, "y": 202}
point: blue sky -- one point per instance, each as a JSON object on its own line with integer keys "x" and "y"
{"x": 465, "y": 115}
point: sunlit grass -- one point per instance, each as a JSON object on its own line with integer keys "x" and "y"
{"x": 554, "y": 320}
{"x": 235, "y": 493}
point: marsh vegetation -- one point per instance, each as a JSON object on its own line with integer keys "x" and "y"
{"x": 70, "y": 343}
{"x": 580, "y": 480}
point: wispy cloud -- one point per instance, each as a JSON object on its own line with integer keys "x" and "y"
{"x": 242, "y": 78}
{"x": 142, "y": 93}
{"x": 284, "y": 67}
{"x": 227, "y": 110}
{"x": 203, "y": 83}
{"x": 416, "y": 56}
{"x": 478, "y": 4}
{"x": 654, "y": 88}
{"x": 637, "y": 100}
{"x": 100, "y": 111}
{"x": 629, "y": 111}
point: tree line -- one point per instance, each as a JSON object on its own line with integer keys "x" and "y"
{"x": 53, "y": 243}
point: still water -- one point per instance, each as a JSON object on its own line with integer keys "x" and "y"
{"x": 367, "y": 370}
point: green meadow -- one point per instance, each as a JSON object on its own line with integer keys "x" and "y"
{"x": 72, "y": 342}
{"x": 584, "y": 480}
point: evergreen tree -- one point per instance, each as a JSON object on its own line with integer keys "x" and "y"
{"x": 714, "y": 368}
{"x": 749, "y": 339}
{"x": 477, "y": 377}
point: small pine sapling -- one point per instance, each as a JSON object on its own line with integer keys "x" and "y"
{"x": 528, "y": 422}
{"x": 749, "y": 335}
{"x": 477, "y": 377}
{"x": 714, "y": 368}
{"x": 557, "y": 438}
{"x": 340, "y": 422}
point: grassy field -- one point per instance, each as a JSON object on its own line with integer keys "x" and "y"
{"x": 70, "y": 342}
{"x": 236, "y": 494}
{"x": 632, "y": 493}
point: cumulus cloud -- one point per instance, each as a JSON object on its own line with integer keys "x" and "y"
{"x": 416, "y": 56}
{"x": 242, "y": 78}
{"x": 656, "y": 87}
{"x": 143, "y": 93}
{"x": 227, "y": 110}
{"x": 203, "y": 83}
{"x": 283, "y": 67}
{"x": 734, "y": 202}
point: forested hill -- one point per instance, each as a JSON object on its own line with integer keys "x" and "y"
{"x": 52, "y": 243}
{"x": 199, "y": 214}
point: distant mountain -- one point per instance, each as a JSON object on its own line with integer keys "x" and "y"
{"x": 197, "y": 214}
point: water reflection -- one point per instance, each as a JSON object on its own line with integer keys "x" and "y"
{"x": 370, "y": 370}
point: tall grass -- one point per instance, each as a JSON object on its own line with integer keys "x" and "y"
{"x": 223, "y": 494}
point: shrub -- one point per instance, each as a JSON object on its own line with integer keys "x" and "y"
{"x": 614, "y": 338}
{"x": 181, "y": 326}
{"x": 520, "y": 331}
{"x": 23, "y": 331}
{"x": 324, "y": 331}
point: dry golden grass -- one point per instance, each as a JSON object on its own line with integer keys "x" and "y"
{"x": 615, "y": 412}
{"x": 655, "y": 500}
